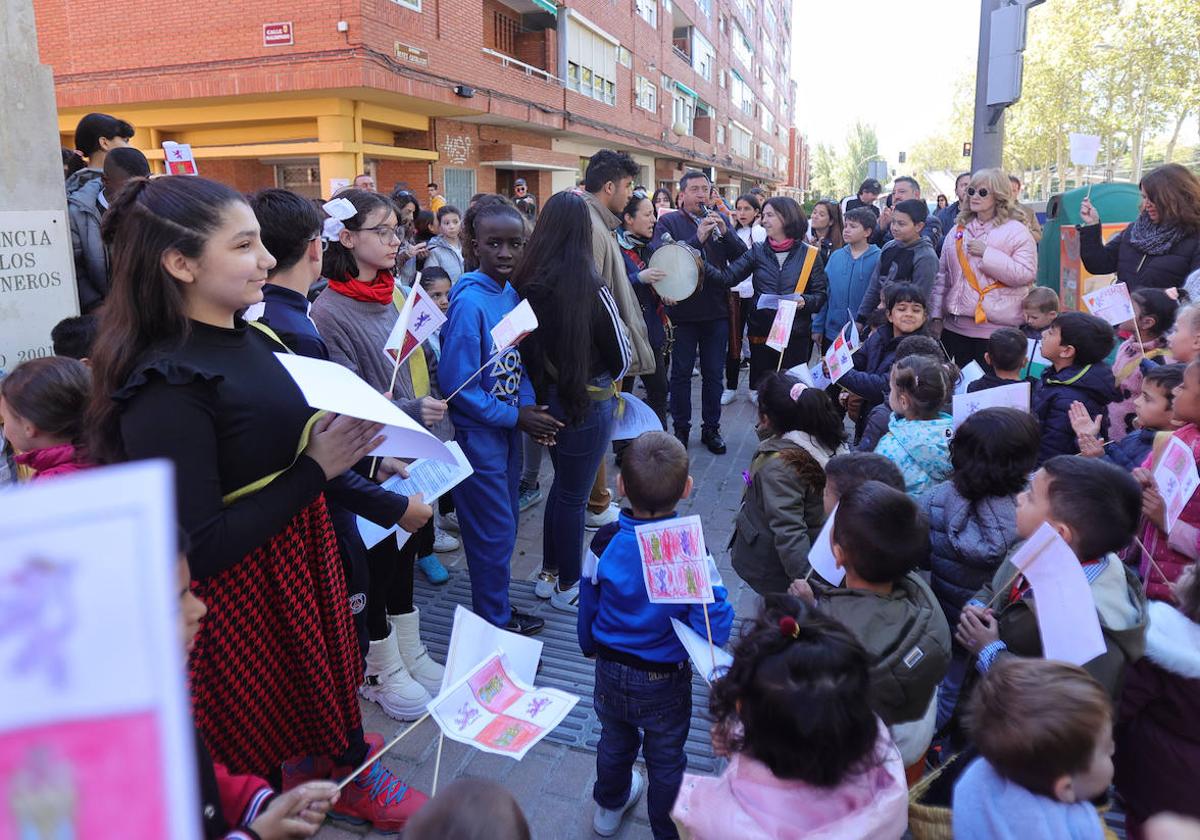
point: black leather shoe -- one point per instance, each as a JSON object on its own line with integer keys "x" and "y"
{"x": 682, "y": 435}
{"x": 713, "y": 440}
{"x": 525, "y": 624}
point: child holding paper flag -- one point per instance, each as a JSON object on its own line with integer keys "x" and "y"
{"x": 641, "y": 664}
{"x": 491, "y": 402}
{"x": 1170, "y": 547}
{"x": 1094, "y": 507}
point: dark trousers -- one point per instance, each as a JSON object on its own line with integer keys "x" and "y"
{"x": 652, "y": 711}
{"x": 708, "y": 339}
{"x": 764, "y": 359}
{"x": 577, "y": 452}
{"x": 737, "y": 324}
{"x": 963, "y": 350}
{"x": 391, "y": 588}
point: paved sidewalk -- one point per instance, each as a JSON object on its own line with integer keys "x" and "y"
{"x": 553, "y": 783}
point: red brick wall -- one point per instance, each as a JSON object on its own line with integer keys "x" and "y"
{"x": 243, "y": 175}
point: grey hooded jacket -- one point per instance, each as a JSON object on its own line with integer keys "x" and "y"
{"x": 91, "y": 258}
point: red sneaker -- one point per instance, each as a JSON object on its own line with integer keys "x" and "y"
{"x": 377, "y": 796}
{"x": 312, "y": 768}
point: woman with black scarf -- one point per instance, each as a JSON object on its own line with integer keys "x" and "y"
{"x": 1162, "y": 246}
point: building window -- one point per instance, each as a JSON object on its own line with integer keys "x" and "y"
{"x": 766, "y": 155}
{"x": 770, "y": 57}
{"x": 591, "y": 62}
{"x": 771, "y": 18}
{"x": 767, "y": 118}
{"x": 683, "y": 114}
{"x": 647, "y": 10}
{"x": 303, "y": 179}
{"x": 741, "y": 46}
{"x": 458, "y": 185}
{"x": 705, "y": 7}
{"x": 703, "y": 55}
{"x": 740, "y": 92}
{"x": 746, "y": 7}
{"x": 739, "y": 139}
{"x": 415, "y": 5}
{"x": 768, "y": 86}
{"x": 624, "y": 57}
{"x": 720, "y": 135}
{"x": 646, "y": 94}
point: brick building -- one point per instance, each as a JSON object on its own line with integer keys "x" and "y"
{"x": 469, "y": 93}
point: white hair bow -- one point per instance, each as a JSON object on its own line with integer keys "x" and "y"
{"x": 339, "y": 209}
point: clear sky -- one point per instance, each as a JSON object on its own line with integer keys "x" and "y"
{"x": 891, "y": 63}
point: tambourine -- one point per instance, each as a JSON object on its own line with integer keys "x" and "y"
{"x": 683, "y": 268}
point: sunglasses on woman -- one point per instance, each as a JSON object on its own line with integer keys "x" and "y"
{"x": 982, "y": 192}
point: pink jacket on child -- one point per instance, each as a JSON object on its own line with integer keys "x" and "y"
{"x": 1173, "y": 552}
{"x": 747, "y": 800}
{"x": 52, "y": 461}
{"x": 1010, "y": 261}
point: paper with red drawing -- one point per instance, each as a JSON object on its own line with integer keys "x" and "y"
{"x": 494, "y": 711}
{"x": 675, "y": 561}
{"x": 1176, "y": 479}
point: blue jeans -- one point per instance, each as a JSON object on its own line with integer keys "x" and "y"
{"x": 710, "y": 339}
{"x": 650, "y": 710}
{"x": 576, "y": 455}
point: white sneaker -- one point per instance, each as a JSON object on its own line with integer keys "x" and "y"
{"x": 754, "y": 397}
{"x": 566, "y": 600}
{"x": 728, "y": 396}
{"x": 389, "y": 684}
{"x": 605, "y": 821}
{"x": 449, "y": 522}
{"x": 443, "y": 542}
{"x": 546, "y": 583}
{"x": 592, "y": 521}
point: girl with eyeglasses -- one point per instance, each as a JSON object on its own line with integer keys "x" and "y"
{"x": 987, "y": 265}
{"x": 355, "y": 315}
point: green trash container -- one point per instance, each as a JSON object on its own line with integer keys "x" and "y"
{"x": 1115, "y": 202}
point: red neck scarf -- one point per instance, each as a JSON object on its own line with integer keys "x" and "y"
{"x": 378, "y": 290}
{"x": 781, "y": 246}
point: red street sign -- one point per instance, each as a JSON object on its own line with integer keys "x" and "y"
{"x": 278, "y": 34}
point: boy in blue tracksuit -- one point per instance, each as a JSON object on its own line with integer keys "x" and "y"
{"x": 643, "y": 678}
{"x": 847, "y": 274}
{"x": 490, "y": 412}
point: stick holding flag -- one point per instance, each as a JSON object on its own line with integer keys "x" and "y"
{"x": 781, "y": 328}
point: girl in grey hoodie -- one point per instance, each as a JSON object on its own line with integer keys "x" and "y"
{"x": 973, "y": 517}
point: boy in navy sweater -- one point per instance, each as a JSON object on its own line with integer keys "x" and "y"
{"x": 643, "y": 677}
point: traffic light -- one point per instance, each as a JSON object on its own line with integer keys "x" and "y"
{"x": 902, "y": 157}
{"x": 966, "y": 149}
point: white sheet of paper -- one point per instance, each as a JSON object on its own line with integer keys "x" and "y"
{"x": 700, "y": 653}
{"x": 514, "y": 326}
{"x": 819, "y": 379}
{"x": 766, "y": 301}
{"x": 331, "y": 387}
{"x": 92, "y": 672}
{"x": 494, "y": 710}
{"x": 1112, "y": 303}
{"x": 971, "y": 373}
{"x": 634, "y": 418}
{"x": 1066, "y": 611}
{"x": 820, "y": 554}
{"x": 426, "y": 476}
{"x": 1084, "y": 148}
{"x": 1176, "y": 479}
{"x": 674, "y": 561}
{"x": 745, "y": 289}
{"x": 1006, "y": 396}
{"x": 781, "y": 327}
{"x": 472, "y": 640}
{"x": 802, "y": 373}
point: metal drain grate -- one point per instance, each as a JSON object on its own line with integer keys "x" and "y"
{"x": 563, "y": 665}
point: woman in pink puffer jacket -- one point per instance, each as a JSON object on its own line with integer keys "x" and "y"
{"x": 988, "y": 264}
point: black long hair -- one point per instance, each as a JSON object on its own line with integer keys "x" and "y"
{"x": 145, "y": 306}
{"x": 483, "y": 206}
{"x": 339, "y": 262}
{"x": 557, "y": 275}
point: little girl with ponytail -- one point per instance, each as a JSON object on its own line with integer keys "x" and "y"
{"x": 782, "y": 511}
{"x": 807, "y": 756}
{"x": 41, "y": 409}
{"x": 919, "y": 432}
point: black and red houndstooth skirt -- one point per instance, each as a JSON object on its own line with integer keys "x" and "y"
{"x": 276, "y": 668}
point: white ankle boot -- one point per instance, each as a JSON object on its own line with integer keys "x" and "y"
{"x": 407, "y": 630}
{"x": 389, "y": 683}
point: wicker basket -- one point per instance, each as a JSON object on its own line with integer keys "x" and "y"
{"x": 929, "y": 822}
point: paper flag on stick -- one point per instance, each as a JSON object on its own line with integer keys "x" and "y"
{"x": 1176, "y": 479}
{"x": 494, "y": 711}
{"x": 472, "y": 640}
{"x": 419, "y": 319}
{"x": 700, "y": 653}
{"x": 675, "y": 561}
{"x": 179, "y": 158}
{"x": 1112, "y": 303}
{"x": 1006, "y": 396}
{"x": 1084, "y": 149}
{"x": 514, "y": 326}
{"x": 633, "y": 418}
{"x": 781, "y": 328}
{"x": 839, "y": 358}
{"x": 820, "y": 556}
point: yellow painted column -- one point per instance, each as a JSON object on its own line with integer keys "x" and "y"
{"x": 338, "y": 128}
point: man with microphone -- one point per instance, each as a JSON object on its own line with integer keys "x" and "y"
{"x": 701, "y": 321}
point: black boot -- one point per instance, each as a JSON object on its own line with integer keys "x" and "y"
{"x": 713, "y": 440}
{"x": 682, "y": 433}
